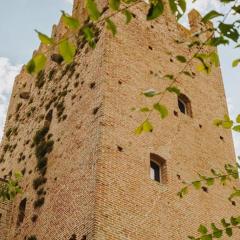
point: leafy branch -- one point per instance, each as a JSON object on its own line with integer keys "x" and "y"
{"x": 204, "y": 182}
{"x": 227, "y": 123}
{"x": 225, "y": 228}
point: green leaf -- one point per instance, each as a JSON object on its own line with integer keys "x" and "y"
{"x": 211, "y": 15}
{"x": 161, "y": 109}
{"x": 236, "y": 9}
{"x": 155, "y": 10}
{"x": 217, "y": 122}
{"x": 227, "y": 118}
{"x": 69, "y": 21}
{"x": 182, "y": 4}
{"x": 147, "y": 126}
{"x": 227, "y": 124}
{"x": 235, "y": 62}
{"x": 229, "y": 31}
{"x": 226, "y": 1}
{"x": 181, "y": 59}
{"x": 210, "y": 181}
{"x": 217, "y": 233}
{"x": 150, "y": 93}
{"x": 216, "y": 41}
{"x": 89, "y": 36}
{"x": 139, "y": 130}
{"x": 197, "y": 185}
{"x": 238, "y": 118}
{"x": 178, "y": 7}
{"x": 236, "y": 128}
{"x": 36, "y": 64}
{"x": 174, "y": 90}
{"x": 92, "y": 10}
{"x": 128, "y": 16}
{"x": 111, "y": 26}
{"x": 114, "y": 4}
{"x": 204, "y": 68}
{"x": 67, "y": 50}
{"x": 183, "y": 192}
{"x": 44, "y": 38}
{"x": 214, "y": 59}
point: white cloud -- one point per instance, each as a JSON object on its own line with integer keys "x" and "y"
{"x": 8, "y": 73}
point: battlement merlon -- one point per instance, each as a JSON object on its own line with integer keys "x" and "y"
{"x": 198, "y": 26}
{"x": 79, "y": 12}
{"x": 194, "y": 17}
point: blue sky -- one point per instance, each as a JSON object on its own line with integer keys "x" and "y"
{"x": 19, "y": 18}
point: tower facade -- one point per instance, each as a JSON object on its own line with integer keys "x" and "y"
{"x": 70, "y": 131}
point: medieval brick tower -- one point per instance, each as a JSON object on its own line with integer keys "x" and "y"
{"x": 93, "y": 181}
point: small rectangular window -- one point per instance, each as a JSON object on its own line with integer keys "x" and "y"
{"x": 158, "y": 168}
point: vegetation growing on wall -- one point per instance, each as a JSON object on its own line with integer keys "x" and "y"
{"x": 11, "y": 187}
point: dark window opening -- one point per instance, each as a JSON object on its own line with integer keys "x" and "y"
{"x": 155, "y": 171}
{"x": 184, "y": 105}
{"x": 181, "y": 106}
{"x": 158, "y": 168}
{"x": 22, "y": 208}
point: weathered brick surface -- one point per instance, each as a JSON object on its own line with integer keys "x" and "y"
{"x": 92, "y": 188}
{"x": 5, "y": 214}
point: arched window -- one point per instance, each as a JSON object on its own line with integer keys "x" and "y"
{"x": 184, "y": 105}
{"x": 158, "y": 168}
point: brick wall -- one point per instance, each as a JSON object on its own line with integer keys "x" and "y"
{"x": 98, "y": 184}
